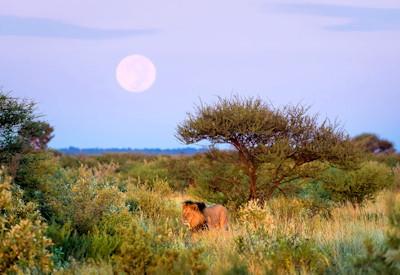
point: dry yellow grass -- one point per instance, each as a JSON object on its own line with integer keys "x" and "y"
{"x": 348, "y": 228}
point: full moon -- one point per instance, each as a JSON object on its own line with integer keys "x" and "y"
{"x": 136, "y": 73}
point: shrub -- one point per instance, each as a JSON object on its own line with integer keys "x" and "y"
{"x": 145, "y": 251}
{"x": 253, "y": 216}
{"x": 280, "y": 254}
{"x": 99, "y": 244}
{"x": 24, "y": 247}
{"x": 23, "y": 244}
{"x": 295, "y": 255}
{"x": 33, "y": 175}
{"x": 359, "y": 185}
{"x": 150, "y": 200}
{"x": 35, "y": 169}
{"x": 93, "y": 195}
{"x": 386, "y": 259}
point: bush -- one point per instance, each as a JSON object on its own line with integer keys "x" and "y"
{"x": 280, "y": 254}
{"x": 69, "y": 244}
{"x": 149, "y": 200}
{"x": 359, "y": 185}
{"x": 33, "y": 175}
{"x": 145, "y": 251}
{"x": 35, "y": 169}
{"x": 253, "y": 216}
{"x": 385, "y": 260}
{"x": 88, "y": 196}
{"x": 295, "y": 255}
{"x": 23, "y": 244}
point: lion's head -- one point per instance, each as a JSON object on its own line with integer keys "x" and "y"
{"x": 192, "y": 215}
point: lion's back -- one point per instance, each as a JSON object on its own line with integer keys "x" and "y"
{"x": 216, "y": 216}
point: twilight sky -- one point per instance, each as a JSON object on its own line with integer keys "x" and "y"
{"x": 342, "y": 57}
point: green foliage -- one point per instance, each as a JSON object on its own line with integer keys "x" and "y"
{"x": 84, "y": 196}
{"x": 237, "y": 268}
{"x": 20, "y": 131}
{"x": 98, "y": 245}
{"x": 104, "y": 219}
{"x": 386, "y": 259}
{"x": 103, "y": 223}
{"x": 23, "y": 244}
{"x": 316, "y": 198}
{"x": 146, "y": 251}
{"x": 121, "y": 213}
{"x": 33, "y": 175}
{"x": 35, "y": 135}
{"x": 218, "y": 179}
{"x": 286, "y": 140}
{"x": 282, "y": 254}
{"x": 34, "y": 170}
{"x": 91, "y": 201}
{"x": 14, "y": 113}
{"x": 182, "y": 170}
{"x": 148, "y": 199}
{"x": 68, "y": 243}
{"x": 146, "y": 170}
{"x": 359, "y": 185}
{"x": 296, "y": 255}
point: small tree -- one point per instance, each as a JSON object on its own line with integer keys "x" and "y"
{"x": 14, "y": 114}
{"x": 283, "y": 141}
{"x": 20, "y": 131}
{"x": 35, "y": 135}
{"x": 371, "y": 143}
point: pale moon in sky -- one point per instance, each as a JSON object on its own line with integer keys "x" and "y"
{"x": 136, "y": 73}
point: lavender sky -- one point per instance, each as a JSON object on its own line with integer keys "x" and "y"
{"x": 342, "y": 57}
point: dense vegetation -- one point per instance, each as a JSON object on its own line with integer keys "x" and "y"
{"x": 121, "y": 213}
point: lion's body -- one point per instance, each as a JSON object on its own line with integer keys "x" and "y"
{"x": 200, "y": 217}
{"x": 216, "y": 216}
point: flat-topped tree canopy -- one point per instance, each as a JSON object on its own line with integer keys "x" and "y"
{"x": 262, "y": 133}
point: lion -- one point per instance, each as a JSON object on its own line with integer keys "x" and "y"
{"x": 200, "y": 217}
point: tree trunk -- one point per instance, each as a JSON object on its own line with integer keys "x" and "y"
{"x": 253, "y": 183}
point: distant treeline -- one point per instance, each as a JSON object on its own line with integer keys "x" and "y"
{"x": 146, "y": 151}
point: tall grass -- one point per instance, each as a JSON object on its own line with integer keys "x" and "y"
{"x": 340, "y": 238}
{"x": 279, "y": 237}
{"x": 105, "y": 223}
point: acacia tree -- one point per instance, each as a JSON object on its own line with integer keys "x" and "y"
{"x": 284, "y": 142}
